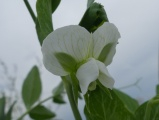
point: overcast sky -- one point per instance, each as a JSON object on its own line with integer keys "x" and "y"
{"x": 137, "y": 51}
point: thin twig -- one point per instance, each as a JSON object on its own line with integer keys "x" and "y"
{"x": 21, "y": 117}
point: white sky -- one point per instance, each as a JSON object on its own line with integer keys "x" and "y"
{"x": 137, "y": 51}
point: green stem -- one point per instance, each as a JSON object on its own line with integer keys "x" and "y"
{"x": 68, "y": 87}
{"x": 30, "y": 10}
{"x": 24, "y": 114}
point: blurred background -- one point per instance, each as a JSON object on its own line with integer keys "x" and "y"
{"x": 135, "y": 65}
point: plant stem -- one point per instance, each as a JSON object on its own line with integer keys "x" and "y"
{"x": 30, "y": 10}
{"x": 23, "y": 115}
{"x": 68, "y": 87}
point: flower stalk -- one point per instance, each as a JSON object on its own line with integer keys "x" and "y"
{"x": 68, "y": 87}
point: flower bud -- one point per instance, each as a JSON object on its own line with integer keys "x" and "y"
{"x": 94, "y": 17}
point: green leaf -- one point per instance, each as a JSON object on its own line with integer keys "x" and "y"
{"x": 94, "y": 17}
{"x": 9, "y": 113}
{"x": 39, "y": 32}
{"x": 140, "y": 112}
{"x": 130, "y": 103}
{"x": 44, "y": 19}
{"x": 55, "y": 4}
{"x": 58, "y": 94}
{"x": 41, "y": 113}
{"x": 87, "y": 114}
{"x": 101, "y": 107}
{"x": 59, "y": 89}
{"x": 31, "y": 89}
{"x": 59, "y": 99}
{"x": 89, "y": 3}
{"x": 157, "y": 89}
{"x": 2, "y": 108}
{"x": 66, "y": 61}
{"x": 148, "y": 110}
{"x": 106, "y": 90}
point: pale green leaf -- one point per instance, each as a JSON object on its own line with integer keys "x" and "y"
{"x": 101, "y": 107}
{"x": 9, "y": 113}
{"x": 59, "y": 89}
{"x": 2, "y": 108}
{"x": 157, "y": 89}
{"x": 39, "y": 32}
{"x": 59, "y": 99}
{"x": 41, "y": 113}
{"x": 44, "y": 19}
{"x": 130, "y": 103}
{"x": 58, "y": 94}
{"x": 31, "y": 89}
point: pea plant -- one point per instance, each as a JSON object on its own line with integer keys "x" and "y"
{"x": 79, "y": 54}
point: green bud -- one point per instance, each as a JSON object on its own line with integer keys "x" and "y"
{"x": 92, "y": 86}
{"x": 94, "y": 17}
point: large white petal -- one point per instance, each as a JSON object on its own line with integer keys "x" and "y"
{"x": 50, "y": 61}
{"x": 104, "y": 35}
{"x": 73, "y": 40}
{"x": 104, "y": 76}
{"x": 87, "y": 73}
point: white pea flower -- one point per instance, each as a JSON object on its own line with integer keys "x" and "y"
{"x": 72, "y": 49}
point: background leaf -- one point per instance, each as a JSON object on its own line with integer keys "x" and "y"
{"x": 2, "y": 108}
{"x": 130, "y": 103}
{"x": 44, "y": 19}
{"x": 31, "y": 89}
{"x": 58, "y": 94}
{"x": 101, "y": 107}
{"x": 9, "y": 113}
{"x": 41, "y": 113}
{"x": 157, "y": 89}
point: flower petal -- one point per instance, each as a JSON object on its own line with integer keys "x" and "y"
{"x": 104, "y": 35}
{"x": 87, "y": 73}
{"x": 104, "y": 76}
{"x": 72, "y": 40}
